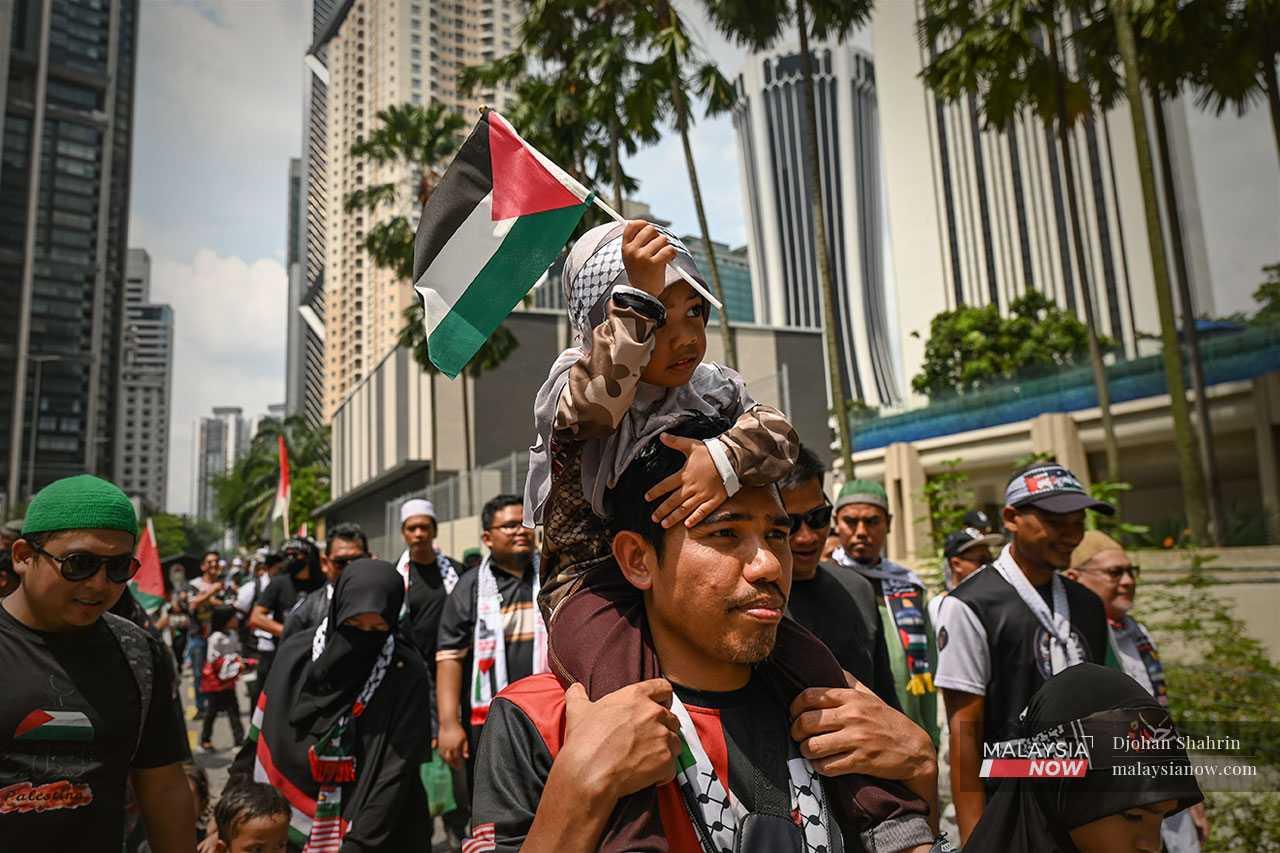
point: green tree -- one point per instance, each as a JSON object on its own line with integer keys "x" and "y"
{"x": 759, "y": 25}
{"x": 1268, "y": 298}
{"x": 1006, "y": 56}
{"x": 1239, "y": 66}
{"x": 183, "y": 534}
{"x": 246, "y": 494}
{"x": 1194, "y": 490}
{"x": 418, "y": 140}
{"x": 949, "y": 497}
{"x": 974, "y": 347}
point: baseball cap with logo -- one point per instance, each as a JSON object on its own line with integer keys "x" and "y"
{"x": 1052, "y": 488}
{"x": 970, "y": 537}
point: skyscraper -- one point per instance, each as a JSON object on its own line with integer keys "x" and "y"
{"x": 304, "y": 349}
{"x": 370, "y": 56}
{"x": 979, "y": 215}
{"x": 67, "y": 82}
{"x": 776, "y": 185}
{"x": 146, "y": 377}
{"x": 220, "y": 441}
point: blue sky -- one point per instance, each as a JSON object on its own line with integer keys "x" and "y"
{"x": 219, "y": 114}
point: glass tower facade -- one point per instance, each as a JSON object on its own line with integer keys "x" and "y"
{"x": 68, "y": 68}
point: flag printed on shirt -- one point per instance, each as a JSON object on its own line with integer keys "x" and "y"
{"x": 482, "y": 840}
{"x": 495, "y": 223}
{"x": 54, "y": 725}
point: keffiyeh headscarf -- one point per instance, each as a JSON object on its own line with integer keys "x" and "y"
{"x": 593, "y": 270}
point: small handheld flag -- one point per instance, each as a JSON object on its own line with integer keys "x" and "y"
{"x": 499, "y": 217}
{"x": 283, "y": 488}
{"x": 147, "y": 585}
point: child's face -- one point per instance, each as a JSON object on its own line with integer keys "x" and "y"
{"x": 268, "y": 834}
{"x": 681, "y": 343}
{"x": 233, "y": 625}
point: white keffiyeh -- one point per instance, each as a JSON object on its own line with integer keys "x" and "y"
{"x": 1063, "y": 650}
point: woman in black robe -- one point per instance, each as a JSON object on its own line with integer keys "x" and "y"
{"x": 343, "y": 724}
{"x": 1105, "y": 811}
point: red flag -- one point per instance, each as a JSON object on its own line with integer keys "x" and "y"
{"x": 283, "y": 492}
{"x": 148, "y": 584}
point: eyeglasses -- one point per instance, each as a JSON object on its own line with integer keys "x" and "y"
{"x": 1118, "y": 572}
{"x": 510, "y": 527}
{"x": 80, "y": 566}
{"x": 341, "y": 563}
{"x": 817, "y": 518}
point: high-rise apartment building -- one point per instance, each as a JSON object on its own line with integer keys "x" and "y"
{"x": 979, "y": 215}
{"x": 146, "y": 381}
{"x": 734, "y": 266}
{"x": 776, "y": 185}
{"x": 371, "y": 55}
{"x": 66, "y": 83}
{"x": 220, "y": 441}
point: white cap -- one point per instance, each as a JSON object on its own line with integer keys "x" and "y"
{"x": 417, "y": 506}
{"x": 237, "y": 562}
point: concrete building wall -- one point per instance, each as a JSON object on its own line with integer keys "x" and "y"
{"x": 979, "y": 215}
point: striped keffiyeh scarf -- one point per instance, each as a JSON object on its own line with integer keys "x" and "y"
{"x": 489, "y": 656}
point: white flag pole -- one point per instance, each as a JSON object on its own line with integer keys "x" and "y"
{"x": 582, "y": 192}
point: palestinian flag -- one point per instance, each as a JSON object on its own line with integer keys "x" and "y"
{"x": 499, "y": 217}
{"x": 54, "y": 725}
{"x": 148, "y": 584}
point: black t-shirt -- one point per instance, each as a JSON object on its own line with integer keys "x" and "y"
{"x": 990, "y": 644}
{"x": 426, "y": 607}
{"x": 840, "y": 608}
{"x": 283, "y": 594}
{"x": 745, "y": 731}
{"x": 69, "y": 717}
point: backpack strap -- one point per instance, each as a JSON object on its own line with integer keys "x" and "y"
{"x": 136, "y": 645}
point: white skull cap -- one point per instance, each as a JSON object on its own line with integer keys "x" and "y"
{"x": 417, "y": 506}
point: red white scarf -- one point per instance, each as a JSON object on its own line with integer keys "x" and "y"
{"x": 488, "y": 645}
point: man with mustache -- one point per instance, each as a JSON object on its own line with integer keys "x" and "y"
{"x": 750, "y": 773}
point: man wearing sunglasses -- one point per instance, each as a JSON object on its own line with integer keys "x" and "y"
{"x": 344, "y": 544}
{"x": 837, "y": 605}
{"x": 1101, "y": 564}
{"x": 89, "y": 699}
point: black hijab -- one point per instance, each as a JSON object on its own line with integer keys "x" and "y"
{"x": 334, "y": 679}
{"x": 1037, "y": 815}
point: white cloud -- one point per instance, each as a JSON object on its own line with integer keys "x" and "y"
{"x": 229, "y": 317}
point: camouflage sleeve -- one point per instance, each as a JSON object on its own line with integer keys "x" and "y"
{"x": 762, "y": 446}
{"x": 602, "y": 385}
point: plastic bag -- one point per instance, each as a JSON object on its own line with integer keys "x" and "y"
{"x": 437, "y": 781}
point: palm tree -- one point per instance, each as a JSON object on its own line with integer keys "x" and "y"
{"x": 685, "y": 68}
{"x": 1174, "y": 42}
{"x": 419, "y": 140}
{"x": 245, "y": 495}
{"x": 1244, "y": 52}
{"x": 759, "y": 25}
{"x": 1009, "y": 68}
{"x": 1193, "y": 486}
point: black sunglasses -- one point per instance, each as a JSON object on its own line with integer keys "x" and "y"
{"x": 341, "y": 563}
{"x": 80, "y": 567}
{"x": 817, "y": 518}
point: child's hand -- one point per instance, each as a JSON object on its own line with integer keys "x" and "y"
{"x": 696, "y": 489}
{"x": 645, "y": 254}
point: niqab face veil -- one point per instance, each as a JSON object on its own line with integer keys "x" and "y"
{"x": 335, "y": 678}
{"x": 1037, "y": 815}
